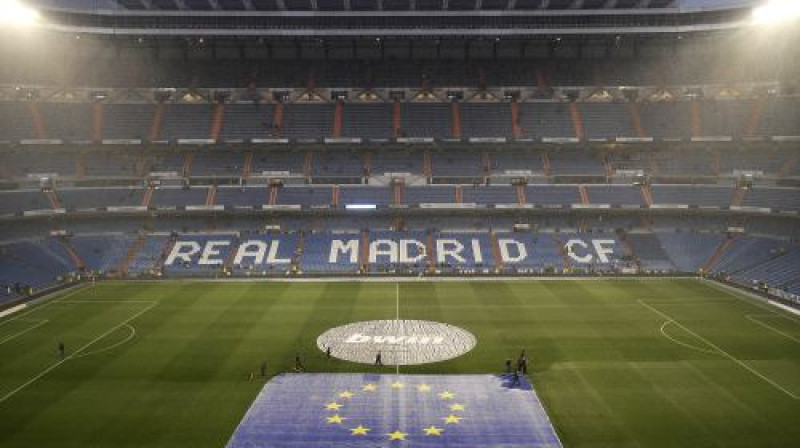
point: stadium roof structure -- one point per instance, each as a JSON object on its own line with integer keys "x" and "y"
{"x": 390, "y": 5}
{"x": 392, "y": 18}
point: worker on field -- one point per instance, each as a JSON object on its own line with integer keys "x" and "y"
{"x": 378, "y": 359}
{"x": 522, "y": 365}
{"x": 62, "y": 350}
{"x": 328, "y": 352}
{"x": 298, "y": 363}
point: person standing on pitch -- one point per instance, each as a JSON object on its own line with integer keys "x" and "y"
{"x": 298, "y": 363}
{"x": 62, "y": 350}
{"x": 328, "y": 352}
{"x": 378, "y": 359}
{"x": 522, "y": 363}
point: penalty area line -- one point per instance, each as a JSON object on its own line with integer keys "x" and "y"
{"x": 18, "y": 334}
{"x": 74, "y": 355}
{"x": 753, "y": 318}
{"x": 33, "y": 309}
{"x": 721, "y": 351}
{"x": 759, "y": 302}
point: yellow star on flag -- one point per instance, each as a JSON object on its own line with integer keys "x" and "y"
{"x": 433, "y": 431}
{"x": 359, "y": 430}
{"x": 369, "y": 388}
{"x": 336, "y": 419}
{"x": 397, "y": 385}
{"x": 346, "y": 394}
{"x": 447, "y": 395}
{"x": 397, "y": 435}
{"x": 423, "y": 388}
{"x": 452, "y": 419}
{"x": 333, "y": 406}
{"x": 457, "y": 407}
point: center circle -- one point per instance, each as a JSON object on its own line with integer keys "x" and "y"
{"x": 399, "y": 342}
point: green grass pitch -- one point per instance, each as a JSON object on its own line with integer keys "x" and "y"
{"x": 678, "y": 363}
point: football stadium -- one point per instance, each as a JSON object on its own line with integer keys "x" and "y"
{"x": 399, "y": 223}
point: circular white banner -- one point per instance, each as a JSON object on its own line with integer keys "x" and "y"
{"x": 399, "y": 342}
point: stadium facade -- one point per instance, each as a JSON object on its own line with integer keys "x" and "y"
{"x": 174, "y": 138}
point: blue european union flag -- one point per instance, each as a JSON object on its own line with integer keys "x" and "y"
{"x": 365, "y": 410}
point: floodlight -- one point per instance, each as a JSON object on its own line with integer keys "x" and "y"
{"x": 776, "y": 11}
{"x": 15, "y": 13}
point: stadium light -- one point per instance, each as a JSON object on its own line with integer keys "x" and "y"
{"x": 15, "y": 13}
{"x": 776, "y": 11}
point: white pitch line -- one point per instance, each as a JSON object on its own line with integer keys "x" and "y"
{"x": 752, "y": 318}
{"x": 757, "y": 301}
{"x": 685, "y": 303}
{"x": 73, "y": 355}
{"x": 107, "y": 301}
{"x": 722, "y": 352}
{"x": 131, "y": 335}
{"x": 33, "y": 309}
{"x": 16, "y": 335}
{"x": 689, "y": 346}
